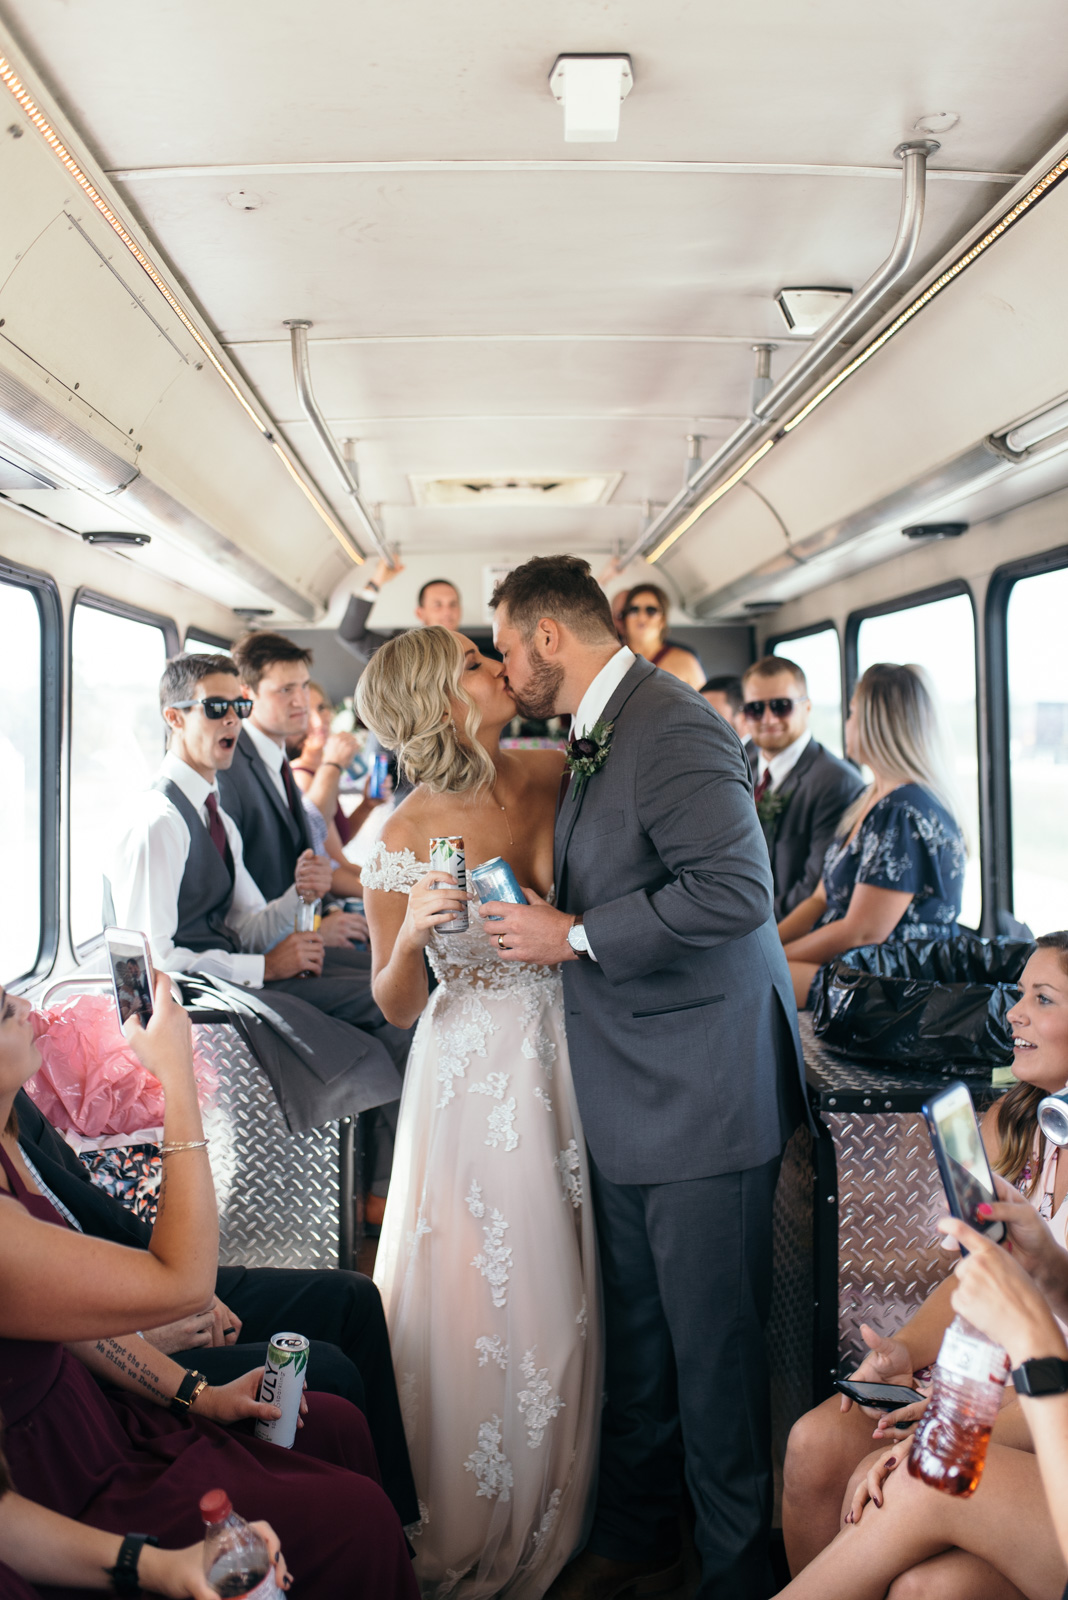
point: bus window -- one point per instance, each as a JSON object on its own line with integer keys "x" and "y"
{"x": 1038, "y": 745}
{"x": 21, "y": 652}
{"x": 940, "y": 636}
{"x": 116, "y": 743}
{"x": 819, "y": 655}
{"x": 197, "y": 645}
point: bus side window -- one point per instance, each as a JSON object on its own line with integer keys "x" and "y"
{"x": 819, "y": 655}
{"x": 117, "y": 740}
{"x": 1038, "y": 746}
{"x": 940, "y": 636}
{"x": 21, "y": 670}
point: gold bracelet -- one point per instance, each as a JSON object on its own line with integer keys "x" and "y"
{"x": 188, "y": 1144}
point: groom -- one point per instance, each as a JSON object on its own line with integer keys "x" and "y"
{"x": 687, "y": 1065}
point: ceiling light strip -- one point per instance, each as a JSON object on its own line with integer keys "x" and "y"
{"x": 1053, "y": 176}
{"x": 710, "y": 499}
{"x": 26, "y": 103}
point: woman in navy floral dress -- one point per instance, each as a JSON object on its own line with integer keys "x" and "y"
{"x": 896, "y": 870}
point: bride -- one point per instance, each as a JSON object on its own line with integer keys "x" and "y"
{"x": 487, "y": 1260}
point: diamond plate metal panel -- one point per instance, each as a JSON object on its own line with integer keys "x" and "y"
{"x": 277, "y": 1191}
{"x": 790, "y": 1326}
{"x": 889, "y": 1200}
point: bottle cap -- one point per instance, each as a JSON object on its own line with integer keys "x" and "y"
{"x": 215, "y": 1506}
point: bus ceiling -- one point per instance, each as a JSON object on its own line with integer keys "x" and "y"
{"x": 564, "y": 323}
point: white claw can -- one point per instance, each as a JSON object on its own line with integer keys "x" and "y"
{"x": 282, "y": 1385}
{"x": 447, "y": 855}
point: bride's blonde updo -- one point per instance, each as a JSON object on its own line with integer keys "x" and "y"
{"x": 404, "y": 696}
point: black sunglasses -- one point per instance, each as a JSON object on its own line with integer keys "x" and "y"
{"x": 638, "y": 611}
{"x": 779, "y": 707}
{"x": 215, "y": 707}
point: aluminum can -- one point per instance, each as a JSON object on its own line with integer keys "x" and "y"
{"x": 495, "y": 880}
{"x": 379, "y": 772}
{"x": 447, "y": 855}
{"x": 282, "y": 1385}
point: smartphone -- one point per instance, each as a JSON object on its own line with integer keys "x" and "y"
{"x": 878, "y": 1396}
{"x": 962, "y": 1163}
{"x": 131, "y": 974}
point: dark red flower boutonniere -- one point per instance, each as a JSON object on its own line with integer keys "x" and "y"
{"x": 588, "y": 755}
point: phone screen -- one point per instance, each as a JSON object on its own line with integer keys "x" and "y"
{"x": 880, "y": 1396}
{"x": 961, "y": 1158}
{"x": 131, "y": 973}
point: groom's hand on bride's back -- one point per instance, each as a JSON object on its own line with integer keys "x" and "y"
{"x": 534, "y": 932}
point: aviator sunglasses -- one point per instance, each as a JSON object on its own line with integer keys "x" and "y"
{"x": 781, "y": 706}
{"x": 215, "y": 707}
{"x": 642, "y": 611}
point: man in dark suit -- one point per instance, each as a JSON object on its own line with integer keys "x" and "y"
{"x": 801, "y": 789}
{"x": 341, "y": 1312}
{"x": 687, "y": 1066}
{"x": 439, "y": 603}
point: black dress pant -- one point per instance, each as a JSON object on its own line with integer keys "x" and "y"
{"x": 686, "y": 1269}
{"x": 341, "y": 1313}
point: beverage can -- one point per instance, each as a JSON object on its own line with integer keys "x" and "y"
{"x": 495, "y": 880}
{"x": 376, "y": 788}
{"x": 447, "y": 855}
{"x": 282, "y": 1385}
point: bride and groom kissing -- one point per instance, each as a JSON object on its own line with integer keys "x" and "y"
{"x": 576, "y": 1254}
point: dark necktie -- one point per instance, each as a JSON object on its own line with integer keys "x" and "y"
{"x": 762, "y": 787}
{"x": 217, "y": 832}
{"x": 291, "y": 789}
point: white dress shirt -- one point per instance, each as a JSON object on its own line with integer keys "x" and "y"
{"x": 146, "y": 876}
{"x": 591, "y": 706}
{"x": 782, "y": 762}
{"x": 273, "y": 756}
{"x": 601, "y": 690}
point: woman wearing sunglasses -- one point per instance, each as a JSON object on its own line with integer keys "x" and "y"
{"x": 895, "y": 871}
{"x": 645, "y": 614}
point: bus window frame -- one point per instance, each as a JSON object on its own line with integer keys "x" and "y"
{"x": 907, "y": 602}
{"x": 208, "y": 636}
{"x": 46, "y": 596}
{"x": 773, "y": 641}
{"x": 96, "y": 601}
{"x": 998, "y": 876}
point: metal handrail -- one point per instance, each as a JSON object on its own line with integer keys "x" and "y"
{"x": 717, "y": 467}
{"x": 298, "y": 335}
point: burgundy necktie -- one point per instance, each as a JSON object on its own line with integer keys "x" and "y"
{"x": 218, "y": 832}
{"x": 291, "y": 789}
{"x": 762, "y": 787}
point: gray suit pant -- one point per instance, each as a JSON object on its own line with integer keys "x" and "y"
{"x": 686, "y": 1269}
{"x": 336, "y": 993}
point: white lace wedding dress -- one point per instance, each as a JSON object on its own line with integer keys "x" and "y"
{"x": 487, "y": 1267}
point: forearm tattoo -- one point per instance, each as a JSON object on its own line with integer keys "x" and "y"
{"x": 123, "y": 1359}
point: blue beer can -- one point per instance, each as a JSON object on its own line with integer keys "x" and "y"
{"x": 495, "y": 880}
{"x": 379, "y": 773}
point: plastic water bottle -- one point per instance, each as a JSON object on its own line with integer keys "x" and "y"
{"x": 236, "y": 1559}
{"x": 949, "y": 1446}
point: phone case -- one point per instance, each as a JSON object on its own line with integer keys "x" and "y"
{"x": 993, "y": 1230}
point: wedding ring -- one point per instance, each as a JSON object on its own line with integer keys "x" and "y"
{"x": 500, "y": 941}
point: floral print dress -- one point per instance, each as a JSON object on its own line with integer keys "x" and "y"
{"x": 908, "y": 842}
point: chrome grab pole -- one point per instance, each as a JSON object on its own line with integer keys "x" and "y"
{"x": 914, "y": 183}
{"x": 298, "y": 335}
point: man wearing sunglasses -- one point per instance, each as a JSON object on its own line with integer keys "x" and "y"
{"x": 801, "y": 789}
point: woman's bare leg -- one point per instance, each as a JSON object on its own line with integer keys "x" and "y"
{"x": 823, "y": 1451}
{"x": 1006, "y": 1523}
{"x": 802, "y": 974}
{"x": 954, "y": 1575}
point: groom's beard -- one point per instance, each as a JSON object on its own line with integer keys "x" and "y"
{"x": 538, "y": 698}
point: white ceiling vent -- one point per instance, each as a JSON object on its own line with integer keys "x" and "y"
{"x": 500, "y": 491}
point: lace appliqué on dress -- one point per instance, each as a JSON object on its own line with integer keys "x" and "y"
{"x": 551, "y": 1512}
{"x": 491, "y": 1349}
{"x": 567, "y": 1165}
{"x": 494, "y": 1261}
{"x": 466, "y": 1038}
{"x": 494, "y": 1086}
{"x": 537, "y": 1403}
{"x": 473, "y": 1199}
{"x": 501, "y": 1125}
{"x": 489, "y": 1463}
{"x": 396, "y": 870}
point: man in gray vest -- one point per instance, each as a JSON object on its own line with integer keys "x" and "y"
{"x": 685, "y": 1053}
{"x": 179, "y": 875}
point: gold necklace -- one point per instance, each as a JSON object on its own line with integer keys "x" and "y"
{"x": 504, "y": 814}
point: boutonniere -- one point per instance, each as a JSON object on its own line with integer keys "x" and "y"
{"x": 588, "y": 755}
{"x": 771, "y": 806}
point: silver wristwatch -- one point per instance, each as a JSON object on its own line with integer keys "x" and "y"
{"x": 576, "y": 938}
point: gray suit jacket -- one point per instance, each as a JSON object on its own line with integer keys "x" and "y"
{"x": 683, "y": 1034}
{"x": 271, "y": 836}
{"x": 816, "y": 793}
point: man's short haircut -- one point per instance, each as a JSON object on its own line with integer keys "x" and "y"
{"x": 768, "y": 666}
{"x": 183, "y": 673}
{"x": 728, "y": 685}
{"x": 562, "y": 588}
{"x": 432, "y": 583}
{"x": 257, "y": 653}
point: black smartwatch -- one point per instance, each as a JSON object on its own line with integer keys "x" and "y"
{"x": 1044, "y": 1375}
{"x": 123, "y": 1574}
